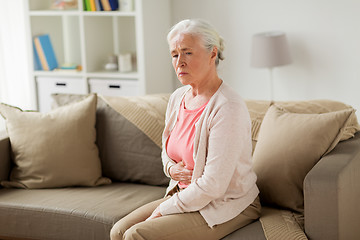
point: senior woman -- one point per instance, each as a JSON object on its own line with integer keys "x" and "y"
{"x": 206, "y": 150}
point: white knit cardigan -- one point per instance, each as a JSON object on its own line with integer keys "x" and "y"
{"x": 223, "y": 182}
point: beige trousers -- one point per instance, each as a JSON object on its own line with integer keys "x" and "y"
{"x": 181, "y": 226}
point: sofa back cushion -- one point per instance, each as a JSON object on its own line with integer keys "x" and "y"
{"x": 128, "y": 136}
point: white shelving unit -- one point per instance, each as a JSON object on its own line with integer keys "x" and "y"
{"x": 87, "y": 38}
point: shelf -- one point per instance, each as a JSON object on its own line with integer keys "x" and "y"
{"x": 118, "y": 75}
{"x": 58, "y": 74}
{"x": 108, "y": 13}
{"x": 50, "y": 13}
{"x": 100, "y": 74}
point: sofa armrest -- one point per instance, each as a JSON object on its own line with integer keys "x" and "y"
{"x": 332, "y": 194}
{"x": 4, "y": 156}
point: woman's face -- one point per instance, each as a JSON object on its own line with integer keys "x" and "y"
{"x": 192, "y": 62}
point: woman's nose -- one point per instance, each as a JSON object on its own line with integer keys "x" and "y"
{"x": 180, "y": 61}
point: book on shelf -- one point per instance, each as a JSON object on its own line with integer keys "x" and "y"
{"x": 37, "y": 64}
{"x": 69, "y": 68}
{"x": 110, "y": 5}
{"x": 45, "y": 52}
{"x": 87, "y": 6}
{"x": 98, "y": 5}
{"x": 92, "y": 5}
{"x": 114, "y": 4}
{"x": 106, "y": 5}
{"x": 101, "y": 5}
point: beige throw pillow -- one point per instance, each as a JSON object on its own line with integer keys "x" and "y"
{"x": 56, "y": 149}
{"x": 289, "y": 145}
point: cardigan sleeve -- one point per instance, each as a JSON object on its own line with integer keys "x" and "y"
{"x": 167, "y": 162}
{"x": 228, "y": 130}
{"x": 170, "y": 116}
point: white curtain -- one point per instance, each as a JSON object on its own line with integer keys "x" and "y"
{"x": 15, "y": 82}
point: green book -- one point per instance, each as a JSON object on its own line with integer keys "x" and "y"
{"x": 87, "y": 5}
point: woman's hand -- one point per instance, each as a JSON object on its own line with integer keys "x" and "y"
{"x": 180, "y": 173}
{"x": 156, "y": 213}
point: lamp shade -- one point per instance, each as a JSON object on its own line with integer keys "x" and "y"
{"x": 270, "y": 49}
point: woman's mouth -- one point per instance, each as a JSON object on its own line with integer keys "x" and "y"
{"x": 180, "y": 74}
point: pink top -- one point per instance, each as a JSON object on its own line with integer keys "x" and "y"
{"x": 180, "y": 144}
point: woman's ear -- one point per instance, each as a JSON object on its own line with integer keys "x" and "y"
{"x": 214, "y": 52}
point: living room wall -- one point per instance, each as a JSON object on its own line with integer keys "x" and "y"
{"x": 324, "y": 40}
{"x": 323, "y": 36}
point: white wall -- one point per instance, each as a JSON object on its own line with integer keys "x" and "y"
{"x": 324, "y": 39}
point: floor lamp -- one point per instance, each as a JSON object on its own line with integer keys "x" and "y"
{"x": 270, "y": 50}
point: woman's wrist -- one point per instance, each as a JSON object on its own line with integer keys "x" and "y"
{"x": 169, "y": 170}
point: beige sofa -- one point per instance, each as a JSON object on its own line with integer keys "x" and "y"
{"x": 129, "y": 152}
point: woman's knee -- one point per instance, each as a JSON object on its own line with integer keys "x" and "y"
{"x": 117, "y": 232}
{"x": 135, "y": 233}
{"x": 115, "y": 235}
{"x": 123, "y": 232}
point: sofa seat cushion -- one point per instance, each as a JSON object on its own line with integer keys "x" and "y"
{"x": 281, "y": 224}
{"x": 70, "y": 213}
{"x": 253, "y": 231}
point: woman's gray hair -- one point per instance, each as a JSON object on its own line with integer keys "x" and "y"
{"x": 202, "y": 29}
